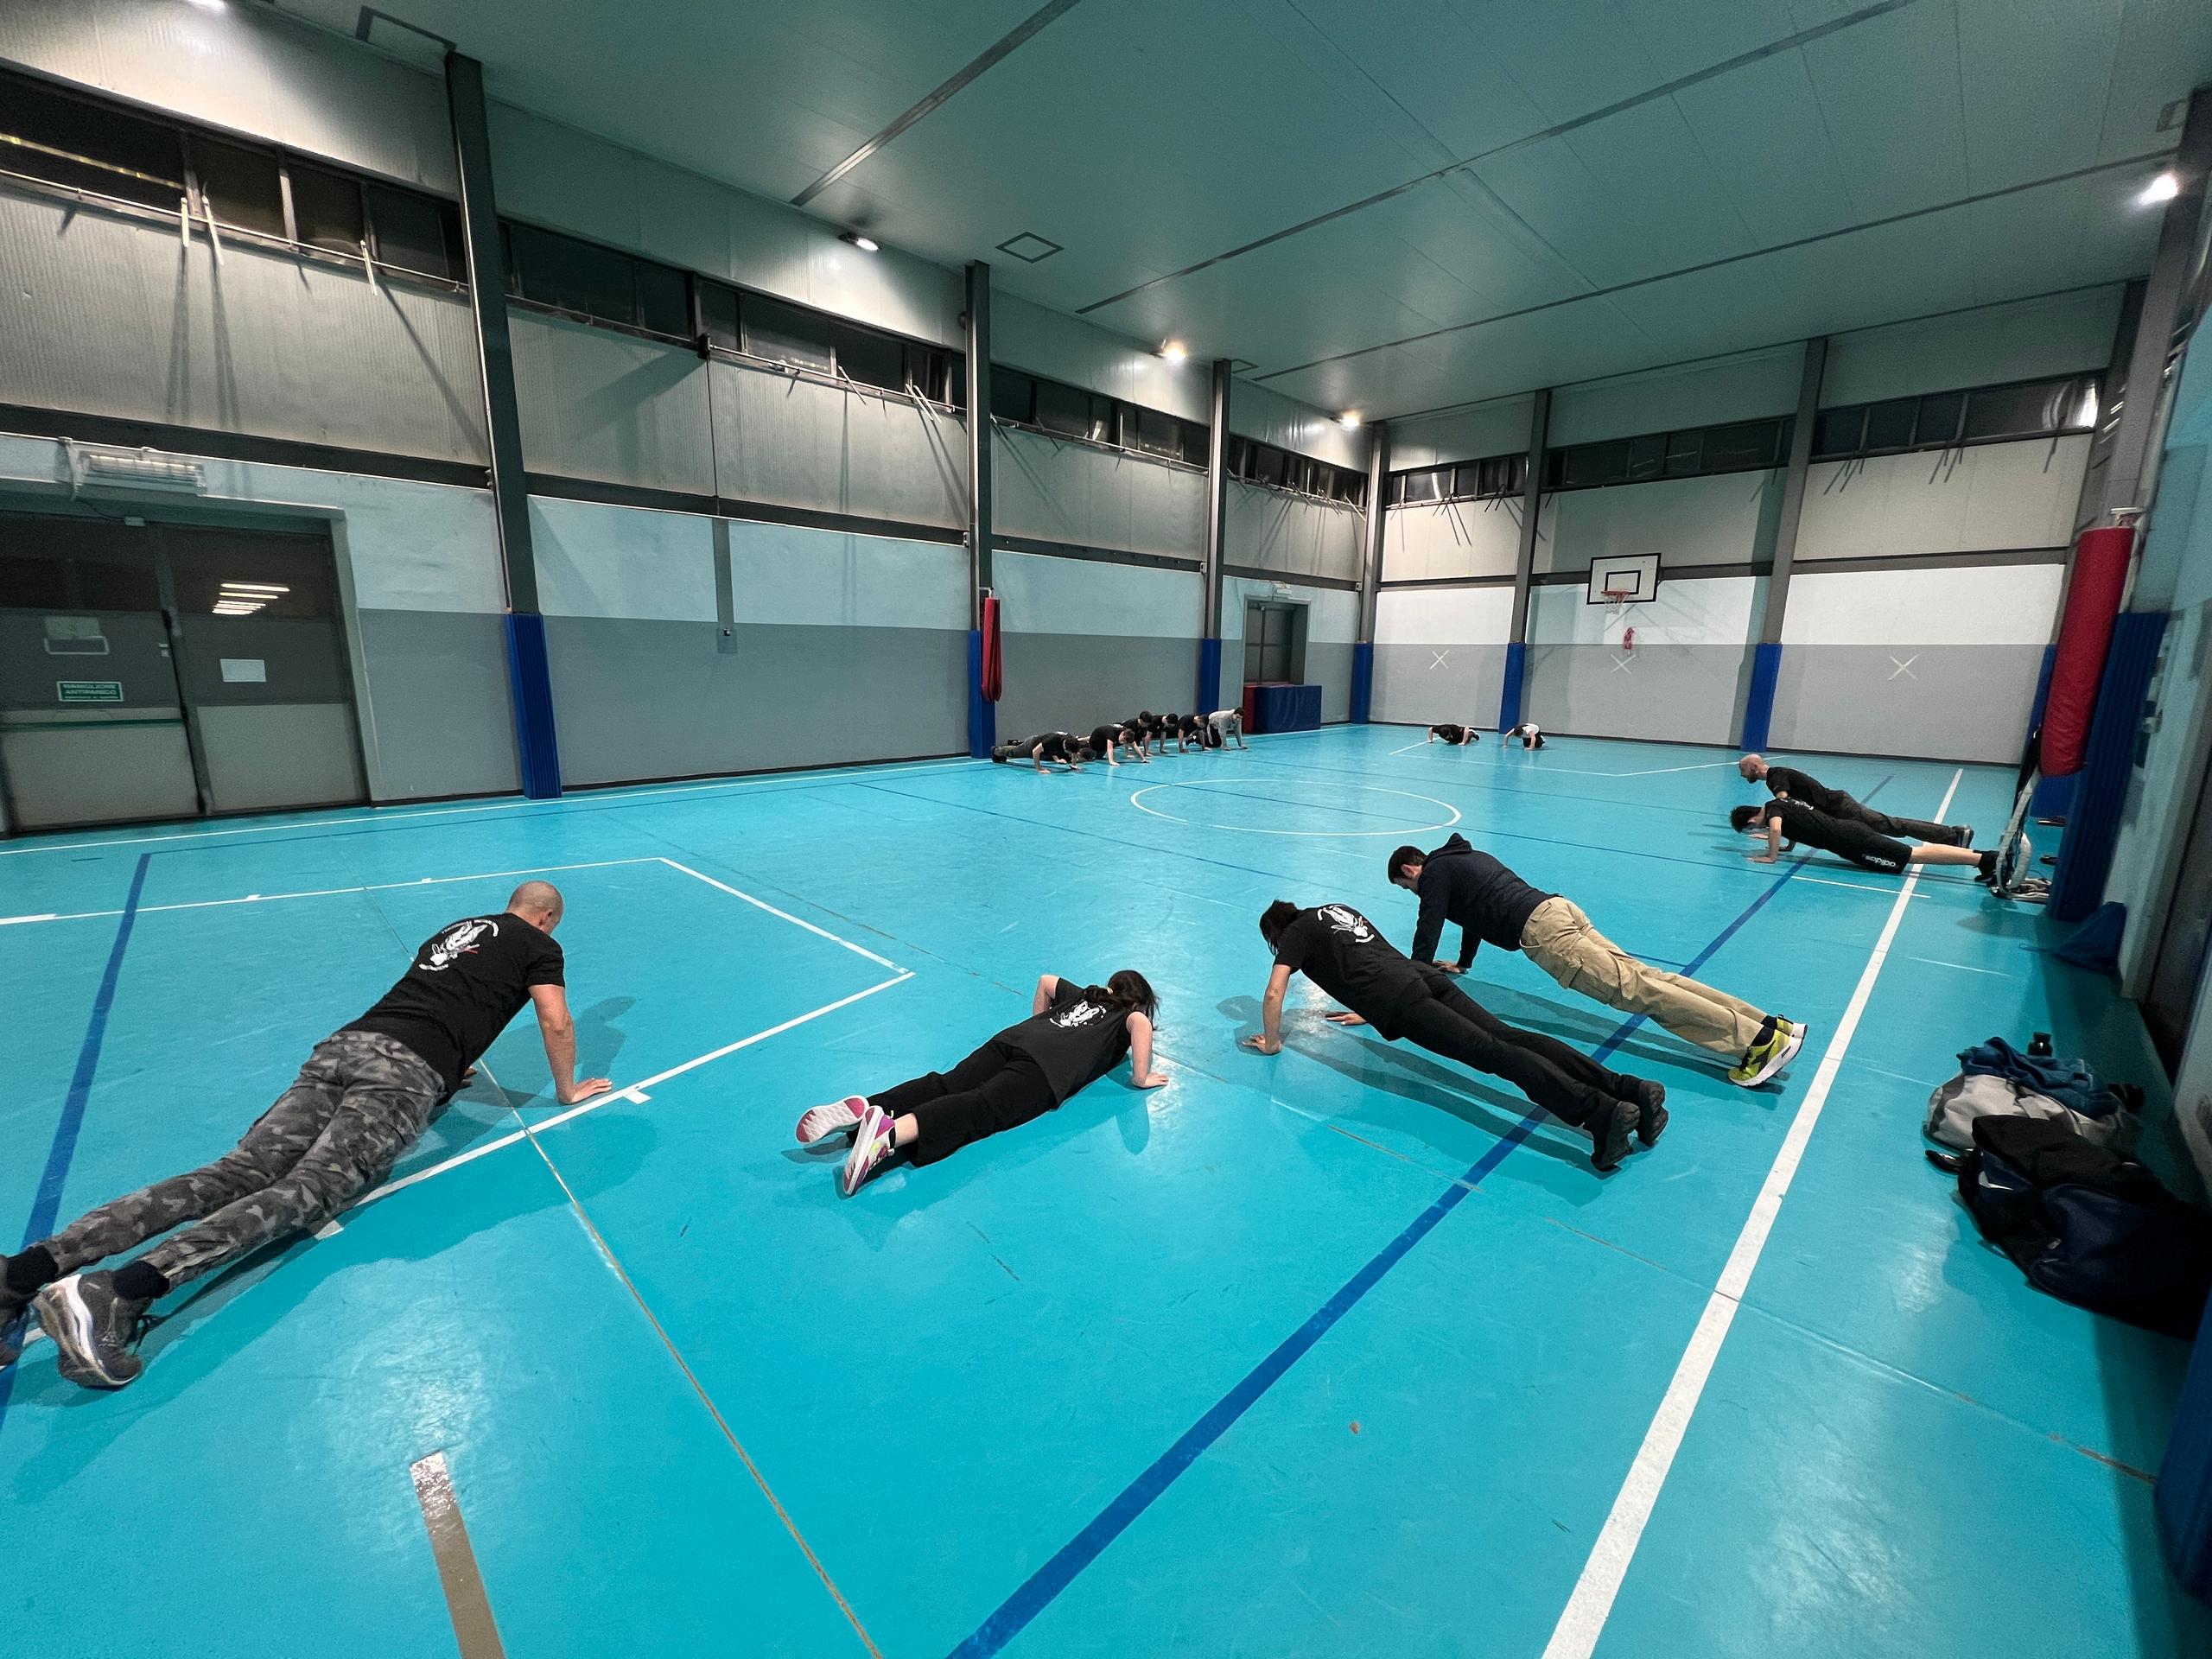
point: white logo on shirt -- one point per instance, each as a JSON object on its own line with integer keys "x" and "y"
{"x": 456, "y": 942}
{"x": 1347, "y": 921}
{"x": 1083, "y": 1014}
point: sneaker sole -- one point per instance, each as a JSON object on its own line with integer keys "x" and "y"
{"x": 62, "y": 1313}
{"x": 1606, "y": 1158}
{"x": 800, "y": 1134}
{"x": 1650, "y": 1125}
{"x": 858, "y": 1164}
{"x": 1789, "y": 1053}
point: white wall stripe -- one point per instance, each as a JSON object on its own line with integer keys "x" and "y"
{"x": 1583, "y": 1622}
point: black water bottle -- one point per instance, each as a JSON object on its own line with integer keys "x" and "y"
{"x": 2039, "y": 1047}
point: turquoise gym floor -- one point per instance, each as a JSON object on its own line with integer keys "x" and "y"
{"x": 1327, "y": 1354}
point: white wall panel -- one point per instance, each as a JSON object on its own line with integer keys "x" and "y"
{"x": 1056, "y": 490}
{"x": 599, "y": 403}
{"x": 1752, "y": 387}
{"x": 1436, "y": 616}
{"x": 1492, "y": 428}
{"x": 1974, "y": 604}
{"x": 1042, "y": 594}
{"x": 826, "y": 578}
{"x": 2057, "y": 333}
{"x": 1726, "y": 519}
{"x": 1698, "y": 611}
{"x": 1451, "y": 538}
{"x": 1985, "y": 499}
{"x": 805, "y": 443}
{"x": 595, "y": 560}
{"x": 1275, "y": 530}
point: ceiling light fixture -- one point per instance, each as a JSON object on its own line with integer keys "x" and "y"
{"x": 1174, "y": 350}
{"x": 865, "y": 244}
{"x": 207, "y": 5}
{"x": 2164, "y": 187}
{"x": 1348, "y": 419}
{"x": 250, "y": 588}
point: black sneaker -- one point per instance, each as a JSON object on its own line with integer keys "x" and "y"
{"x": 93, "y": 1329}
{"x": 1963, "y": 836}
{"x": 14, "y": 1309}
{"x": 1651, "y": 1120}
{"x": 1608, "y": 1134}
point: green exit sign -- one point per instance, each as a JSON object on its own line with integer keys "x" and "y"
{"x": 88, "y": 690}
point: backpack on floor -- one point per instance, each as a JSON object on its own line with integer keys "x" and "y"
{"x": 1954, "y": 1108}
{"x": 2086, "y": 1224}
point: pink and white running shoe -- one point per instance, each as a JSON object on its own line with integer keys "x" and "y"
{"x": 839, "y": 1117}
{"x": 873, "y": 1141}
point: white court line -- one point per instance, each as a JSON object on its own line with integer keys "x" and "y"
{"x": 1137, "y": 801}
{"x": 328, "y": 893}
{"x": 1937, "y": 962}
{"x": 1583, "y": 1621}
{"x": 884, "y": 962}
{"x": 1652, "y": 772}
{"x": 1856, "y": 887}
{"x": 1422, "y": 745}
{"x": 581, "y": 798}
{"x": 632, "y": 1094}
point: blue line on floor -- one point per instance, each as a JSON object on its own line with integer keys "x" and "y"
{"x": 1043, "y": 1587}
{"x": 48, "y": 1205}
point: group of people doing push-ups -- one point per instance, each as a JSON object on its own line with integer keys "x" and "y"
{"x": 368, "y": 1093}
{"x": 1137, "y": 738}
{"x": 1801, "y": 811}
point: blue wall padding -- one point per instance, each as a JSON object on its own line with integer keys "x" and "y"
{"x": 1758, "y": 706}
{"x": 538, "y": 750}
{"x": 2101, "y": 787}
{"x": 1508, "y": 697}
{"x": 982, "y": 713}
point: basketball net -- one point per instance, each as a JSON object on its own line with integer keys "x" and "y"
{"x": 1617, "y": 601}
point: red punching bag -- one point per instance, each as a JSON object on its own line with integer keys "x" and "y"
{"x": 990, "y": 681}
{"x": 2093, "y": 596}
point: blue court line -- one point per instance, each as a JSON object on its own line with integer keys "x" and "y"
{"x": 48, "y": 1205}
{"x": 1043, "y": 1587}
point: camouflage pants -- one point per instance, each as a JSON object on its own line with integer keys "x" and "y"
{"x": 359, "y": 1102}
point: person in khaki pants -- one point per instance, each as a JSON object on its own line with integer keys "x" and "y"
{"x": 1491, "y": 903}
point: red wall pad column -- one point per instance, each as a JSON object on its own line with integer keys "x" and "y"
{"x": 2092, "y": 596}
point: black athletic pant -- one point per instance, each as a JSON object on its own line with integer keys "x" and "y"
{"x": 998, "y": 1087}
{"x": 1882, "y": 823}
{"x": 1564, "y": 1081}
{"x": 1869, "y": 849}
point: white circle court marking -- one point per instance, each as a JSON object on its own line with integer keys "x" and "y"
{"x": 1137, "y": 801}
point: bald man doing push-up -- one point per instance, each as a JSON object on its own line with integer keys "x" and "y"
{"x": 363, "y": 1096}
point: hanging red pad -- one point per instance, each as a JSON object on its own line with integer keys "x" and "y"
{"x": 2092, "y": 596}
{"x": 991, "y": 686}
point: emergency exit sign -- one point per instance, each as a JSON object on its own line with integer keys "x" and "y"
{"x": 88, "y": 690}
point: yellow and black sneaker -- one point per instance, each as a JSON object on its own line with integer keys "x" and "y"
{"x": 1774, "y": 1049}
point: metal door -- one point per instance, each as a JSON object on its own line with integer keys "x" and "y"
{"x": 153, "y": 671}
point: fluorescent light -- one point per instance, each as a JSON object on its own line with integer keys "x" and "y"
{"x": 254, "y": 587}
{"x": 1348, "y": 419}
{"x": 2087, "y": 415}
{"x": 2164, "y": 187}
{"x": 1174, "y": 350}
{"x": 865, "y": 244}
{"x": 207, "y": 5}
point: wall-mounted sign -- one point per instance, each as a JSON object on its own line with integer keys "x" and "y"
{"x": 245, "y": 671}
{"x": 88, "y": 690}
{"x": 74, "y": 636}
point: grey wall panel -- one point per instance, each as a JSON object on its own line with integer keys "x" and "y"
{"x": 1936, "y": 702}
{"x": 1071, "y": 681}
{"x": 801, "y": 443}
{"x": 1680, "y": 694}
{"x": 596, "y": 403}
{"x": 112, "y": 316}
{"x": 656, "y": 699}
{"x": 1328, "y": 666}
{"x": 1258, "y": 411}
{"x": 1413, "y": 688}
{"x": 261, "y": 756}
{"x": 1271, "y": 530}
{"x": 439, "y": 718}
{"x": 1059, "y": 492}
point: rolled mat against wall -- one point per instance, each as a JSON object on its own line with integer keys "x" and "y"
{"x": 2093, "y": 596}
{"x": 990, "y": 679}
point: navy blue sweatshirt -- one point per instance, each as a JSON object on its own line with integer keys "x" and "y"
{"x": 1489, "y": 903}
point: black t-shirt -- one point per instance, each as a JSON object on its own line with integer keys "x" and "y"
{"x": 1451, "y": 733}
{"x": 1075, "y": 1042}
{"x": 1191, "y": 726}
{"x": 1788, "y": 780}
{"x": 1804, "y": 824}
{"x": 1343, "y": 953}
{"x": 1055, "y": 745}
{"x": 468, "y": 980}
{"x": 1102, "y": 735}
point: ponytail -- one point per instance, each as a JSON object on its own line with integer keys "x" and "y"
{"x": 1127, "y": 992}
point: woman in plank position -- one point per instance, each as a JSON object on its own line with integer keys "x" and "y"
{"x": 1074, "y": 1035}
{"x": 1784, "y": 821}
{"x": 1459, "y": 736}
